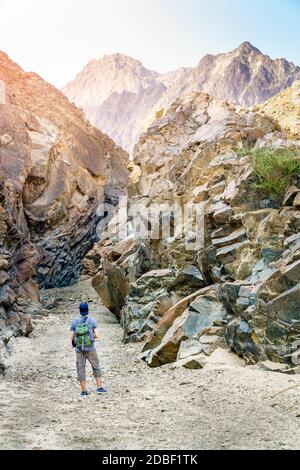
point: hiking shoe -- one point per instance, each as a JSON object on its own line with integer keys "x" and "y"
{"x": 100, "y": 390}
{"x": 84, "y": 394}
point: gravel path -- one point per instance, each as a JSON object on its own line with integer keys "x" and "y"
{"x": 165, "y": 408}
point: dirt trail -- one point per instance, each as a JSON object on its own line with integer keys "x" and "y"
{"x": 165, "y": 408}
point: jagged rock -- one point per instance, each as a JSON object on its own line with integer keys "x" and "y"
{"x": 192, "y": 362}
{"x": 200, "y": 193}
{"x": 292, "y": 271}
{"x": 235, "y": 237}
{"x": 239, "y": 338}
{"x": 191, "y": 276}
{"x": 222, "y": 216}
{"x": 7, "y": 296}
{"x": 119, "y": 270}
{"x": 271, "y": 254}
{"x": 290, "y": 195}
{"x": 286, "y": 306}
{"x": 169, "y": 317}
{"x": 144, "y": 302}
{"x": 297, "y": 200}
{"x": 167, "y": 350}
{"x": 228, "y": 254}
{"x": 230, "y": 191}
{"x": 189, "y": 347}
{"x": 222, "y": 231}
{"x": 154, "y": 294}
{"x": 203, "y": 312}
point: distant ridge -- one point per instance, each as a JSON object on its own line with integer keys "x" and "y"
{"x": 120, "y": 96}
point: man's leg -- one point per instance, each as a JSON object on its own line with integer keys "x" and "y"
{"x": 98, "y": 382}
{"x": 82, "y": 384}
{"x": 81, "y": 363}
{"x": 92, "y": 357}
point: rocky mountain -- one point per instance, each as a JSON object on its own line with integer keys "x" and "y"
{"x": 56, "y": 170}
{"x": 121, "y": 97}
{"x": 117, "y": 93}
{"x": 228, "y": 277}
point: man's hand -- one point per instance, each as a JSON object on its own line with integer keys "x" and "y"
{"x": 96, "y": 335}
{"x": 72, "y": 337}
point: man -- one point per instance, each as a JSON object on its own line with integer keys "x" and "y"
{"x": 84, "y": 333}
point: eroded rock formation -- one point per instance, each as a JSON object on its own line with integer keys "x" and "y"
{"x": 55, "y": 171}
{"x": 241, "y": 288}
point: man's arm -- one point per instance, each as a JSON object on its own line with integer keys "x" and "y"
{"x": 72, "y": 333}
{"x": 96, "y": 334}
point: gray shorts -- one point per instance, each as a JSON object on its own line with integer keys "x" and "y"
{"x": 92, "y": 357}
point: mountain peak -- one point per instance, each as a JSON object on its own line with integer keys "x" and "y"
{"x": 247, "y": 47}
{"x": 117, "y": 63}
{"x": 119, "y": 59}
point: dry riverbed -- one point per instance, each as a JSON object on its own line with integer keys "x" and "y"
{"x": 165, "y": 408}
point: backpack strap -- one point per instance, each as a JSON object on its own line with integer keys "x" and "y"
{"x": 89, "y": 325}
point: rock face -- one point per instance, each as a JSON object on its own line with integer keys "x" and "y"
{"x": 56, "y": 169}
{"x": 122, "y": 98}
{"x": 230, "y": 281}
{"x": 285, "y": 108}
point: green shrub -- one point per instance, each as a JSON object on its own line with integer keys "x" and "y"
{"x": 274, "y": 169}
{"x": 243, "y": 151}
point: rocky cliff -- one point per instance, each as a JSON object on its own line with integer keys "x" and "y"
{"x": 121, "y": 97}
{"x": 229, "y": 278}
{"x": 56, "y": 169}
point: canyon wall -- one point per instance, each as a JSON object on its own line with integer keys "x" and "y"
{"x": 55, "y": 172}
{"x": 240, "y": 288}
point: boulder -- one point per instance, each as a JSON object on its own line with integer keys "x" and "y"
{"x": 191, "y": 276}
{"x": 119, "y": 271}
{"x": 223, "y": 215}
{"x": 203, "y": 312}
{"x": 167, "y": 350}
{"x": 286, "y": 306}
{"x": 169, "y": 317}
{"x": 192, "y": 362}
{"x": 7, "y": 296}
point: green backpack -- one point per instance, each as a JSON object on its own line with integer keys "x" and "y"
{"x": 83, "y": 339}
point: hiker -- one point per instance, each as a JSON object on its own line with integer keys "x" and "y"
{"x": 84, "y": 333}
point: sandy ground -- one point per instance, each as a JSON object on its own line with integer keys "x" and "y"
{"x": 165, "y": 408}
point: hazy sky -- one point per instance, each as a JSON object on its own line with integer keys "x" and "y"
{"x": 56, "y": 38}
